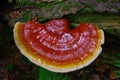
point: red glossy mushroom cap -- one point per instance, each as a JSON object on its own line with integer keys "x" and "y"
{"x": 57, "y": 48}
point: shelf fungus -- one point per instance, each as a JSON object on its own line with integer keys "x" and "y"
{"x": 56, "y": 47}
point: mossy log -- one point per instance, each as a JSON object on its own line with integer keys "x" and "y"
{"x": 103, "y": 13}
{"x": 45, "y": 9}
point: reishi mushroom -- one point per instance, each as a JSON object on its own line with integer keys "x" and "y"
{"x": 56, "y": 47}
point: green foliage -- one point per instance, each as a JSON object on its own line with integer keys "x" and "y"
{"x": 22, "y": 3}
{"x": 113, "y": 60}
{"x": 118, "y": 73}
{"x": 117, "y": 64}
{"x": 27, "y": 15}
{"x": 89, "y": 7}
{"x": 48, "y": 75}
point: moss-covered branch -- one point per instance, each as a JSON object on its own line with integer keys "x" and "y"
{"x": 47, "y": 9}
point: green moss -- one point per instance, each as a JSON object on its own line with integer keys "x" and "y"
{"x": 26, "y": 16}
{"x": 89, "y": 7}
{"x": 22, "y": 3}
